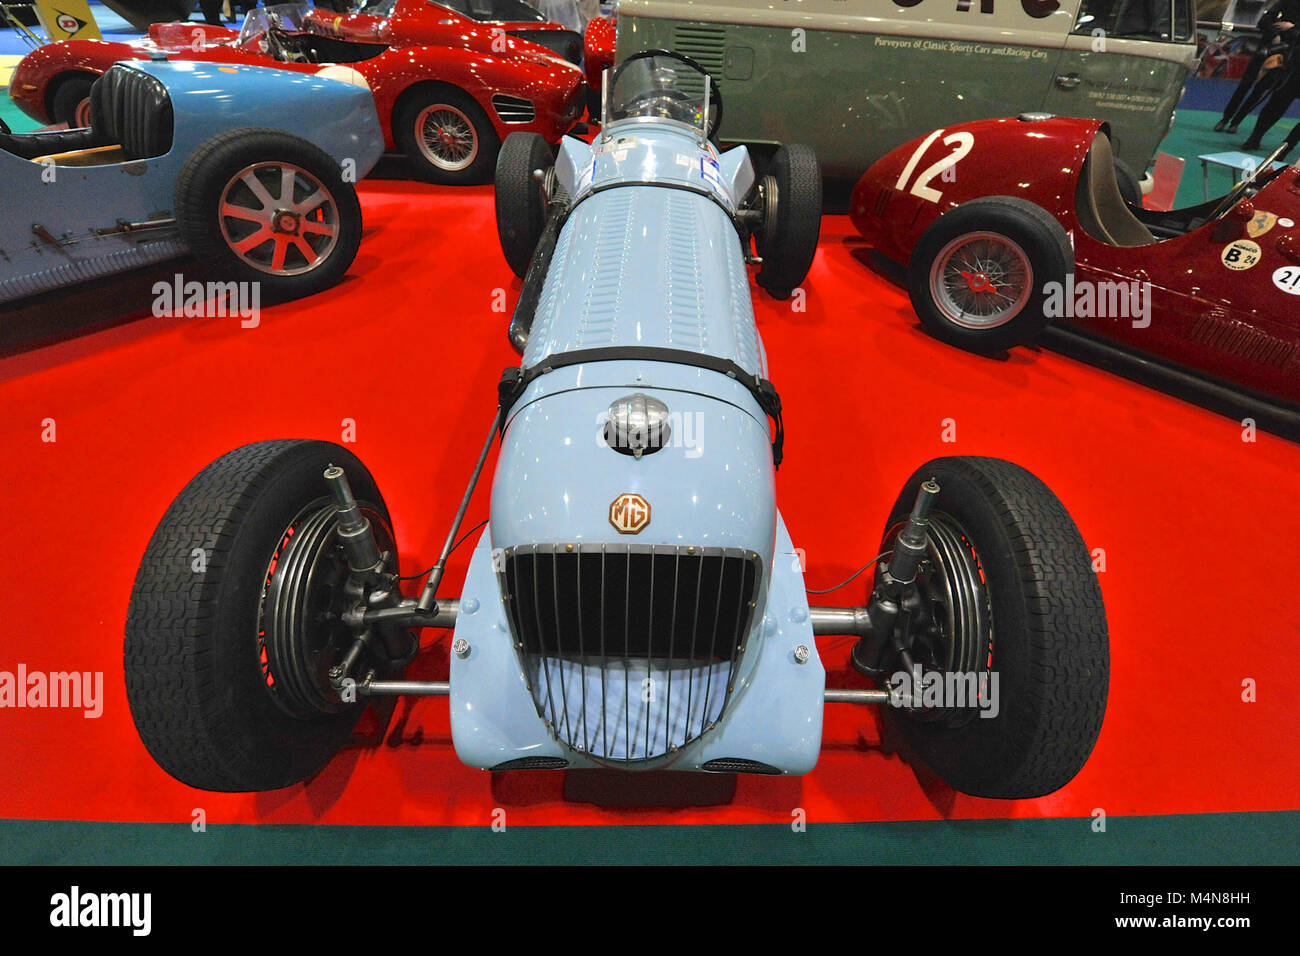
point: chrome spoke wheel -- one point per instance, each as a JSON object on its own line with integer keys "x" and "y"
{"x": 278, "y": 218}
{"x": 981, "y": 280}
{"x": 446, "y": 137}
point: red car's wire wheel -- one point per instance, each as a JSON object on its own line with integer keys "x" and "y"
{"x": 981, "y": 280}
{"x": 278, "y": 218}
{"x": 446, "y": 137}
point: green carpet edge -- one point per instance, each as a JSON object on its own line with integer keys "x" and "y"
{"x": 1237, "y": 838}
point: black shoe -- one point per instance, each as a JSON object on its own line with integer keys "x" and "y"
{"x": 1232, "y": 128}
{"x": 1220, "y": 126}
{"x": 1251, "y": 145}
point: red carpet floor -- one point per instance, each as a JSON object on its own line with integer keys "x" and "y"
{"x": 1200, "y": 531}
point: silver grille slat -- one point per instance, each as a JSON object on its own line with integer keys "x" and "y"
{"x": 514, "y": 109}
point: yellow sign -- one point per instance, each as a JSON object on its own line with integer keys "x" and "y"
{"x": 67, "y": 20}
{"x": 7, "y": 64}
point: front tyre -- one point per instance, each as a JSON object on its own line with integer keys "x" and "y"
{"x": 233, "y": 621}
{"x": 1007, "y": 591}
{"x": 258, "y": 205}
{"x": 521, "y": 206}
{"x": 792, "y": 215}
{"x": 981, "y": 275}
{"x": 446, "y": 136}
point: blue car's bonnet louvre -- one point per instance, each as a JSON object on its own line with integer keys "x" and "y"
{"x": 129, "y": 255}
{"x": 600, "y": 291}
{"x": 630, "y": 651}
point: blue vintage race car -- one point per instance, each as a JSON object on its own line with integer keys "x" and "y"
{"x": 636, "y": 601}
{"x": 249, "y": 168}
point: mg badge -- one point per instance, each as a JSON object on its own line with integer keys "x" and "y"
{"x": 629, "y": 513}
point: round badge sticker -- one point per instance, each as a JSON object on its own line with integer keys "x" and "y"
{"x": 1242, "y": 254}
{"x": 1288, "y": 279}
{"x": 1260, "y": 224}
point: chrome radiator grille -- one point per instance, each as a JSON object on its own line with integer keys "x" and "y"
{"x": 630, "y": 651}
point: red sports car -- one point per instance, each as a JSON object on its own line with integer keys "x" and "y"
{"x": 1010, "y": 227}
{"x": 448, "y": 87}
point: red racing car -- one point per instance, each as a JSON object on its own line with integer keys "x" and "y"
{"x": 1010, "y": 228}
{"x": 448, "y": 88}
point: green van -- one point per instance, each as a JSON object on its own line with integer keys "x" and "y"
{"x": 855, "y": 78}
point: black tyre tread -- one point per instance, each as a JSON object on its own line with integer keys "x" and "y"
{"x": 202, "y": 234}
{"x": 799, "y": 177}
{"x": 168, "y": 651}
{"x": 417, "y": 99}
{"x": 520, "y": 210}
{"x": 991, "y": 213}
{"x": 1055, "y": 717}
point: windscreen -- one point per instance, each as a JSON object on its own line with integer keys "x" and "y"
{"x": 488, "y": 10}
{"x": 286, "y": 17}
{"x": 665, "y": 85}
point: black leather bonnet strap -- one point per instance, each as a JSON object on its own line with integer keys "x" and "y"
{"x": 515, "y": 380}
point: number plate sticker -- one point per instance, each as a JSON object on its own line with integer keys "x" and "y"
{"x": 1288, "y": 279}
{"x": 709, "y": 170}
{"x": 1242, "y": 254}
{"x": 587, "y": 176}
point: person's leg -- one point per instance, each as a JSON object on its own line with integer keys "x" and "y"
{"x": 1247, "y": 80}
{"x": 1266, "y": 85}
{"x": 1276, "y": 106}
{"x": 211, "y": 11}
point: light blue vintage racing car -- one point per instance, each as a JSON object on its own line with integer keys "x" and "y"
{"x": 248, "y": 168}
{"x": 636, "y": 601}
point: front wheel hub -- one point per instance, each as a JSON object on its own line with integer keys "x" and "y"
{"x": 286, "y": 222}
{"x": 981, "y": 280}
{"x": 302, "y": 632}
{"x": 949, "y": 616}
